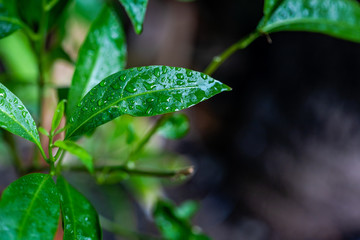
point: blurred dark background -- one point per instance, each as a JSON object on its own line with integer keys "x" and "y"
{"x": 279, "y": 156}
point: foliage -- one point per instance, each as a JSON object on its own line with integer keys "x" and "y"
{"x": 103, "y": 91}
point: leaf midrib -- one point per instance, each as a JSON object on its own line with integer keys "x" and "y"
{"x": 28, "y": 212}
{"x": 272, "y": 26}
{"x": 123, "y": 99}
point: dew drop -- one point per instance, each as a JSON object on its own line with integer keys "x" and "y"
{"x": 156, "y": 72}
{"x": 16, "y": 101}
{"x": 149, "y": 111}
{"x": 103, "y": 83}
{"x": 150, "y": 100}
{"x": 122, "y": 77}
{"x": 139, "y": 68}
{"x": 2, "y": 102}
{"x": 24, "y": 113}
{"x": 84, "y": 109}
{"x": 189, "y": 73}
{"x": 180, "y": 83}
{"x": 180, "y": 76}
{"x": 177, "y": 69}
{"x": 79, "y": 104}
{"x": 149, "y": 86}
{"x": 115, "y": 86}
{"x": 204, "y": 76}
{"x": 100, "y": 102}
{"x": 145, "y": 76}
{"x": 2, "y": 93}
{"x": 130, "y": 88}
{"x": 164, "y": 69}
{"x": 21, "y": 107}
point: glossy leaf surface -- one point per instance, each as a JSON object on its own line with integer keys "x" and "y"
{"x": 8, "y": 23}
{"x": 80, "y": 219}
{"x": 30, "y": 208}
{"x": 78, "y": 151}
{"x": 103, "y": 53}
{"x": 177, "y": 126}
{"x": 136, "y": 10}
{"x": 143, "y": 91}
{"x": 59, "y": 113}
{"x": 15, "y": 118}
{"x": 173, "y": 226}
{"x": 269, "y": 5}
{"x": 337, "y": 18}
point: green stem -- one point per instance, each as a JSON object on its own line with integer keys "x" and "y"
{"x": 140, "y": 172}
{"x": 40, "y": 43}
{"x": 148, "y": 136}
{"x": 220, "y": 59}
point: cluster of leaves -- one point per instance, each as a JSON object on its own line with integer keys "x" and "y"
{"x": 103, "y": 90}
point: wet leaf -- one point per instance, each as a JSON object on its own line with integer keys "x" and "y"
{"x": 103, "y": 53}
{"x": 175, "y": 127}
{"x": 30, "y": 208}
{"x": 78, "y": 151}
{"x": 8, "y": 22}
{"x": 337, "y": 18}
{"x": 143, "y": 91}
{"x": 80, "y": 218}
{"x": 15, "y": 118}
{"x": 136, "y": 10}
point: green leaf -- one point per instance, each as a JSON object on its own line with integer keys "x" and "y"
{"x": 30, "y": 208}
{"x": 43, "y": 131}
{"x": 103, "y": 53}
{"x": 140, "y": 92}
{"x": 78, "y": 151}
{"x": 8, "y": 23}
{"x": 136, "y": 11}
{"x": 270, "y": 5}
{"x": 175, "y": 127}
{"x": 337, "y": 18}
{"x": 15, "y": 118}
{"x": 31, "y": 12}
{"x": 80, "y": 218}
{"x": 171, "y": 225}
{"x": 59, "y": 113}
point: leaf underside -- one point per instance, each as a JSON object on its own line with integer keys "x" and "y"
{"x": 141, "y": 92}
{"x": 30, "y": 208}
{"x": 337, "y": 18}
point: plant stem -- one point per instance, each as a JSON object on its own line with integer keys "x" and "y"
{"x": 40, "y": 43}
{"x": 148, "y": 136}
{"x": 140, "y": 172}
{"x": 115, "y": 228}
{"x": 220, "y": 59}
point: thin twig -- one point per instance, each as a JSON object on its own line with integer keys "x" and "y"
{"x": 220, "y": 59}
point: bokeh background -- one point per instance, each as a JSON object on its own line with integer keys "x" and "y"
{"x": 277, "y": 158}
